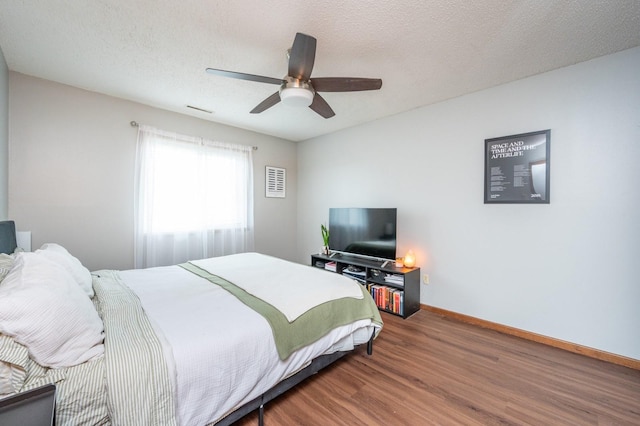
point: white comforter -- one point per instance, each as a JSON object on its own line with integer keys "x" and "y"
{"x": 290, "y": 287}
{"x": 221, "y": 353}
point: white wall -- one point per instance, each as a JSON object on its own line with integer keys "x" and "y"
{"x": 565, "y": 270}
{"x": 72, "y": 155}
{"x": 4, "y": 137}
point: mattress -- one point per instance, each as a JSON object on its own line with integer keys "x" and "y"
{"x": 220, "y": 352}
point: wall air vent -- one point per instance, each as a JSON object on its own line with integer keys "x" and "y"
{"x": 275, "y": 182}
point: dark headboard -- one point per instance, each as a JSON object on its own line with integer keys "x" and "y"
{"x": 8, "y": 241}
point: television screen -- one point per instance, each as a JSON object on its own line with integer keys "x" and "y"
{"x": 363, "y": 231}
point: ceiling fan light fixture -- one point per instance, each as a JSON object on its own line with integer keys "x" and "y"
{"x": 296, "y": 96}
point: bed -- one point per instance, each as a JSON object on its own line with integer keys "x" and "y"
{"x": 199, "y": 343}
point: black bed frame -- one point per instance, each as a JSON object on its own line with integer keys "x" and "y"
{"x": 258, "y": 403}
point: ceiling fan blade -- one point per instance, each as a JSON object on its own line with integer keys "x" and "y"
{"x": 345, "y": 84}
{"x": 321, "y": 106}
{"x": 243, "y": 76}
{"x": 302, "y": 56}
{"x": 267, "y": 103}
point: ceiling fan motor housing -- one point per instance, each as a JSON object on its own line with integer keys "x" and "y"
{"x": 296, "y": 92}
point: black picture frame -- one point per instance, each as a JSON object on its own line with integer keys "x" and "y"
{"x": 517, "y": 168}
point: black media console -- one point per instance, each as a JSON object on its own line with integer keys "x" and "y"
{"x": 395, "y": 290}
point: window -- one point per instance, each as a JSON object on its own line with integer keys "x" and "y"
{"x": 194, "y": 198}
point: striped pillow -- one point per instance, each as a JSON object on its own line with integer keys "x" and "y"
{"x": 6, "y": 263}
{"x": 14, "y": 359}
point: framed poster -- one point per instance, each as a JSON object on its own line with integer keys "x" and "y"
{"x": 516, "y": 168}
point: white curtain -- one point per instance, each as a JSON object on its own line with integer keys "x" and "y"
{"x": 193, "y": 198}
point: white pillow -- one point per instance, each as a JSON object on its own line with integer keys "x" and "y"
{"x": 60, "y": 255}
{"x": 43, "y": 308}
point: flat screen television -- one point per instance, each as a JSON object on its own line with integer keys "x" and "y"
{"x": 369, "y": 232}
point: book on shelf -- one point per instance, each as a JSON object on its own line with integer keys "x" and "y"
{"x": 387, "y": 298}
{"x": 355, "y": 273}
{"x": 358, "y": 278}
{"x": 331, "y": 266}
{"x": 394, "y": 279}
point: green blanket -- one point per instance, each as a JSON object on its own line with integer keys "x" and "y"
{"x": 310, "y": 326}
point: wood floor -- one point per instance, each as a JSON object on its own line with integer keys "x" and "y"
{"x": 431, "y": 370}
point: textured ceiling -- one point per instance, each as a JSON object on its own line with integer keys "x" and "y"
{"x": 155, "y": 51}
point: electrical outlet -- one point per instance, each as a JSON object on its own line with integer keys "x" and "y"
{"x": 425, "y": 278}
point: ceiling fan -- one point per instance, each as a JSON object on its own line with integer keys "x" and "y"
{"x": 298, "y": 88}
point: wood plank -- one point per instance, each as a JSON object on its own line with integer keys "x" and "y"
{"x": 430, "y": 369}
{"x": 557, "y": 343}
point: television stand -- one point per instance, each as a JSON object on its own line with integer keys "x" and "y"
{"x": 394, "y": 290}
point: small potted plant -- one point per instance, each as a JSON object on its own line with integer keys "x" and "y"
{"x": 325, "y": 239}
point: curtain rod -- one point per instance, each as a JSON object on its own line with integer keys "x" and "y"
{"x": 135, "y": 124}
